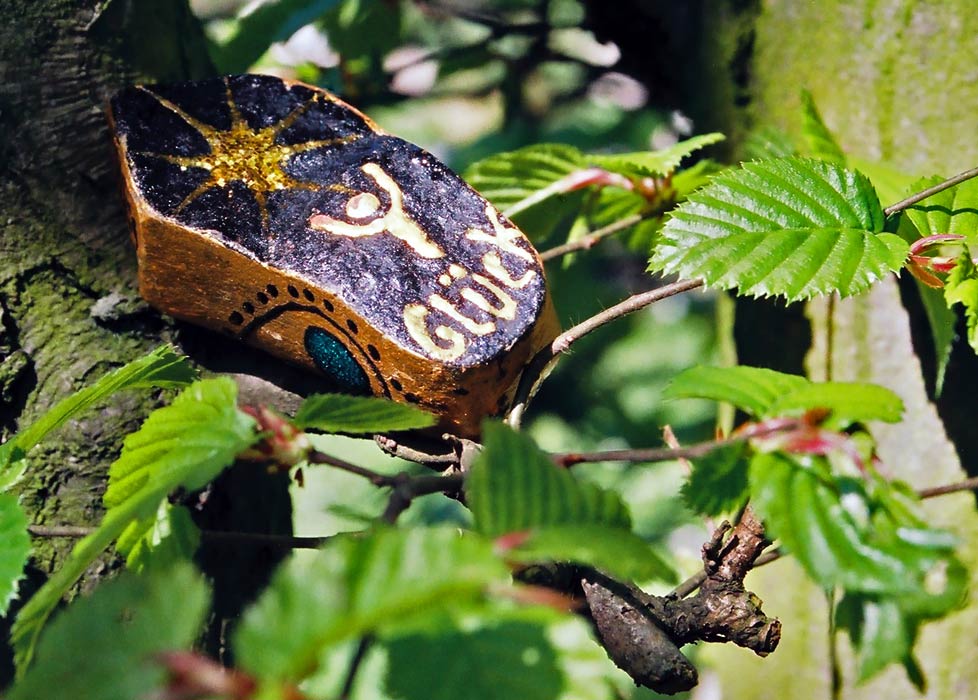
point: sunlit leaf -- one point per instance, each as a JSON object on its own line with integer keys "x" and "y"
{"x": 507, "y": 178}
{"x": 961, "y": 287}
{"x": 767, "y": 143}
{"x": 753, "y": 389}
{"x": 339, "y": 413}
{"x": 880, "y": 632}
{"x": 530, "y": 654}
{"x": 848, "y": 402}
{"x": 513, "y": 486}
{"x": 161, "y": 540}
{"x": 791, "y": 227}
{"x": 15, "y": 547}
{"x": 654, "y": 163}
{"x": 262, "y": 25}
{"x": 615, "y": 551}
{"x": 717, "y": 483}
{"x": 185, "y": 444}
{"x": 161, "y": 368}
{"x": 102, "y": 646}
{"x": 821, "y": 142}
{"x": 954, "y": 210}
{"x": 359, "y": 585}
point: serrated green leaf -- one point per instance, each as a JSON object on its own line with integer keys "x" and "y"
{"x": 954, "y": 210}
{"x": 530, "y": 654}
{"x": 879, "y": 630}
{"x": 821, "y": 142}
{"x": 162, "y": 368}
{"x": 846, "y": 537}
{"x": 849, "y": 402}
{"x": 961, "y": 287}
{"x": 753, "y": 389}
{"x": 717, "y": 483}
{"x": 339, "y": 413}
{"x": 508, "y": 178}
{"x": 161, "y": 541}
{"x": 185, "y": 444}
{"x": 791, "y": 227}
{"x": 615, "y": 551}
{"x": 102, "y": 646}
{"x": 15, "y": 547}
{"x": 359, "y": 585}
{"x": 654, "y": 163}
{"x": 513, "y": 486}
{"x": 264, "y": 24}
{"x": 768, "y": 143}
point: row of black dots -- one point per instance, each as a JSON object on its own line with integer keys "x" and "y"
{"x": 263, "y": 297}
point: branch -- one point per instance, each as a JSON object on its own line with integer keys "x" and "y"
{"x": 966, "y": 485}
{"x": 651, "y": 454}
{"x": 590, "y": 240}
{"x": 930, "y": 191}
{"x": 541, "y": 362}
{"x": 219, "y": 536}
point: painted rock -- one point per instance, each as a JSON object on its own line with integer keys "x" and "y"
{"x": 274, "y": 212}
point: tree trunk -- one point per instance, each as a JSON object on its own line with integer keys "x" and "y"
{"x": 69, "y": 307}
{"x": 894, "y": 80}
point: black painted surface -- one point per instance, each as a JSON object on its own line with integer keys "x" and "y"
{"x": 376, "y": 275}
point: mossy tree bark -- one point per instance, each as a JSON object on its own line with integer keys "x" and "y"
{"x": 69, "y": 307}
{"x": 894, "y": 81}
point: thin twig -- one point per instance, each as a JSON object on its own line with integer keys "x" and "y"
{"x": 590, "y": 240}
{"x": 966, "y": 485}
{"x": 540, "y": 363}
{"x": 351, "y": 675}
{"x": 650, "y": 454}
{"x": 376, "y": 478}
{"x": 930, "y": 191}
{"x": 210, "y": 536}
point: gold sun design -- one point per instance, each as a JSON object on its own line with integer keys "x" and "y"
{"x": 245, "y": 155}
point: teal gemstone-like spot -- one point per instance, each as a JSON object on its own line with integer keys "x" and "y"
{"x": 335, "y": 360}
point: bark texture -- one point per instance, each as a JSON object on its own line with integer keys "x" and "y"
{"x": 69, "y": 308}
{"x": 895, "y": 81}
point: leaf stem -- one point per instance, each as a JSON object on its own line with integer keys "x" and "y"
{"x": 930, "y": 191}
{"x": 590, "y": 240}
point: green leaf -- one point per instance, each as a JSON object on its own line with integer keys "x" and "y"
{"x": 514, "y": 486}
{"x": 654, "y": 163}
{"x": 753, "y": 389}
{"x": 942, "y": 321}
{"x": 15, "y": 547}
{"x": 360, "y": 585}
{"x": 717, "y": 483}
{"x": 339, "y": 413}
{"x": 961, "y": 287}
{"x": 954, "y": 210}
{"x": 849, "y": 402}
{"x": 880, "y": 632}
{"x": 160, "y": 541}
{"x": 507, "y": 178}
{"x": 765, "y": 393}
{"x": 185, "y": 444}
{"x": 529, "y": 654}
{"x": 162, "y": 368}
{"x": 360, "y": 29}
{"x": 264, "y": 24}
{"x": 791, "y": 227}
{"x": 768, "y": 143}
{"x": 844, "y": 536}
{"x": 617, "y": 552}
{"x": 821, "y": 142}
{"x": 102, "y": 646}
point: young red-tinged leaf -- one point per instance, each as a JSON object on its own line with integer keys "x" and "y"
{"x": 15, "y": 547}
{"x": 358, "y": 415}
{"x": 185, "y": 444}
{"x": 791, "y": 227}
{"x": 508, "y": 178}
{"x": 102, "y": 646}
